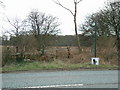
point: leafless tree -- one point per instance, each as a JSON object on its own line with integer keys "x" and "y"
{"x": 112, "y": 18}
{"x": 43, "y": 26}
{"x": 16, "y": 25}
{"x": 74, "y": 14}
{"x": 16, "y": 31}
{"x": 115, "y": 7}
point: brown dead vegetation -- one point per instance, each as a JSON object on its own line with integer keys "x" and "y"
{"x": 106, "y": 51}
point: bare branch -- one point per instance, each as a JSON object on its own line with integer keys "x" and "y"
{"x": 2, "y": 4}
{"x": 57, "y": 2}
{"x": 79, "y": 1}
{"x": 75, "y": 21}
{"x": 10, "y": 22}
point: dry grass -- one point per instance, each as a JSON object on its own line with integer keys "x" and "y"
{"x": 107, "y": 55}
{"x": 105, "y": 51}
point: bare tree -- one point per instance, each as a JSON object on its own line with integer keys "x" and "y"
{"x": 115, "y": 7}
{"x": 74, "y": 14}
{"x": 15, "y": 24}
{"x": 36, "y": 19}
{"x": 43, "y": 26}
{"x": 16, "y": 34}
{"x": 112, "y": 20}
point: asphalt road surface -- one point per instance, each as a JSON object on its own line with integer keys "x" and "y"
{"x": 61, "y": 79}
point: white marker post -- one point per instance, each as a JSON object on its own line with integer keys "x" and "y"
{"x": 95, "y": 61}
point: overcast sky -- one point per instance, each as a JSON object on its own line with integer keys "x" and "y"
{"x": 21, "y": 8}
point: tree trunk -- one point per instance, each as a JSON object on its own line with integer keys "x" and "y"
{"x": 75, "y": 24}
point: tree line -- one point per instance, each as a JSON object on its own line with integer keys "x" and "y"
{"x": 58, "y": 40}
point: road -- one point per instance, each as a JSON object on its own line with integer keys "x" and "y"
{"x": 69, "y": 79}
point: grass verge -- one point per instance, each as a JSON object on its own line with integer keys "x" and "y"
{"x": 56, "y": 65}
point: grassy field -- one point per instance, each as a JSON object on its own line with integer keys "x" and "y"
{"x": 55, "y": 65}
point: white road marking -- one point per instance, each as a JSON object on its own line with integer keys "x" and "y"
{"x": 55, "y": 86}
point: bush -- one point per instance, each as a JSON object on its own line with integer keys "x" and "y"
{"x": 6, "y": 57}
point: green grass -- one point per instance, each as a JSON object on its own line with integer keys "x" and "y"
{"x": 55, "y": 65}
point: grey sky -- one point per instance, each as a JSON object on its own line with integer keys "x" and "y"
{"x": 21, "y": 8}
